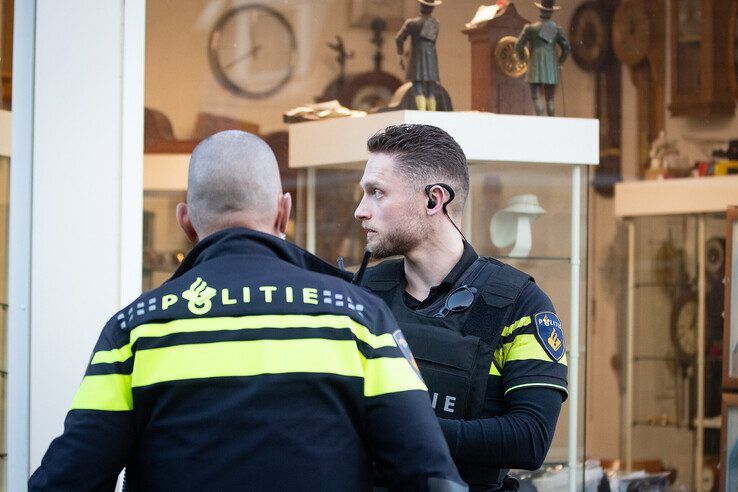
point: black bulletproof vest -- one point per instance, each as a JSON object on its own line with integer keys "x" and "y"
{"x": 455, "y": 353}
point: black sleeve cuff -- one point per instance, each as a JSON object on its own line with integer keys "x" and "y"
{"x": 452, "y": 432}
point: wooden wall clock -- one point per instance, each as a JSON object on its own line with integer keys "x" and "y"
{"x": 638, "y": 36}
{"x": 700, "y": 52}
{"x": 589, "y": 34}
{"x": 591, "y": 44}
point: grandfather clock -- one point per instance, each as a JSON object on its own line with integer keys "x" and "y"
{"x": 498, "y": 85}
{"x": 639, "y": 41}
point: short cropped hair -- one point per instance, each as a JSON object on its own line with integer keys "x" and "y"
{"x": 425, "y": 154}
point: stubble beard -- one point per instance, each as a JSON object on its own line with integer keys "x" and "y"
{"x": 400, "y": 241}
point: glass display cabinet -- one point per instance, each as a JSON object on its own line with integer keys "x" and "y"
{"x": 164, "y": 244}
{"x": 674, "y": 333}
{"x": 541, "y": 162}
{"x": 511, "y": 158}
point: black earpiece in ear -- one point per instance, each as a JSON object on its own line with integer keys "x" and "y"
{"x": 451, "y": 196}
{"x": 432, "y": 202}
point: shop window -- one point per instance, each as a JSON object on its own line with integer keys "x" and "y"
{"x": 164, "y": 244}
{"x": 4, "y": 200}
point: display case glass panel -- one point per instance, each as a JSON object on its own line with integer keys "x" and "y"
{"x": 164, "y": 243}
{"x": 496, "y": 189}
{"x": 338, "y": 233}
{"x": 669, "y": 404}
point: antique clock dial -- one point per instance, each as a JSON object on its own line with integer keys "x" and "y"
{"x": 684, "y": 326}
{"x": 252, "y": 50}
{"x": 590, "y": 36}
{"x": 631, "y": 32}
{"x": 715, "y": 259}
{"x": 507, "y": 58}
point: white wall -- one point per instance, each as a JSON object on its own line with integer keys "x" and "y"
{"x": 87, "y": 187}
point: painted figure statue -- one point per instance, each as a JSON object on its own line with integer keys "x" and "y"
{"x": 422, "y": 70}
{"x": 543, "y": 70}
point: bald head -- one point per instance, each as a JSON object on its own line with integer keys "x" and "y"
{"x": 233, "y": 182}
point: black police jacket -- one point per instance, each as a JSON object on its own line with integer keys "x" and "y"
{"x": 253, "y": 368}
{"x": 508, "y": 338}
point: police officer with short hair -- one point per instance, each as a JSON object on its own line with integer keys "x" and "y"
{"x": 486, "y": 338}
{"x": 255, "y": 367}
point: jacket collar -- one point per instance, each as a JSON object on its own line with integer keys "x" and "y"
{"x": 240, "y": 241}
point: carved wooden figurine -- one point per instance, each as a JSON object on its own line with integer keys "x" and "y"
{"x": 543, "y": 69}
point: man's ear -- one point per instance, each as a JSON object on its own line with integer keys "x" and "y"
{"x": 283, "y": 214}
{"x": 435, "y": 198}
{"x": 183, "y": 219}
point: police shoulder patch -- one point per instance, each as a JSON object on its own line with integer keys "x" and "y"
{"x": 550, "y": 334}
{"x": 405, "y": 349}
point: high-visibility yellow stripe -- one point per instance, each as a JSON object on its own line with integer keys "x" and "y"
{"x": 525, "y": 321}
{"x": 389, "y": 375}
{"x": 111, "y": 356}
{"x": 256, "y": 357}
{"x": 526, "y": 347}
{"x": 523, "y": 347}
{"x": 500, "y": 357}
{"x": 246, "y": 358}
{"x": 360, "y": 331}
{"x": 110, "y": 392}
